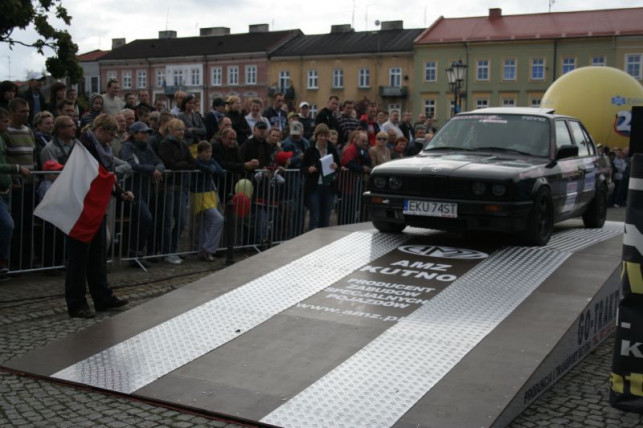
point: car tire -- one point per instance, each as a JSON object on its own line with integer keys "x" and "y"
{"x": 596, "y": 213}
{"x": 540, "y": 223}
{"x": 388, "y": 227}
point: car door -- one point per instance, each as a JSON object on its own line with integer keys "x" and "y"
{"x": 587, "y": 165}
{"x": 567, "y": 185}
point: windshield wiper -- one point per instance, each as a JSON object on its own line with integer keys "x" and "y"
{"x": 502, "y": 149}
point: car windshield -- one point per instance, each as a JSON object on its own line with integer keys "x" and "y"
{"x": 524, "y": 134}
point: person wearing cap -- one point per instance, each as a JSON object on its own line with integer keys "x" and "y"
{"x": 276, "y": 114}
{"x": 60, "y": 146}
{"x": 256, "y": 149}
{"x": 33, "y": 95}
{"x": 238, "y": 119}
{"x": 195, "y": 129}
{"x": 296, "y": 143}
{"x": 255, "y": 113}
{"x": 213, "y": 117}
{"x": 306, "y": 119}
{"x": 7, "y": 169}
{"x": 148, "y": 172}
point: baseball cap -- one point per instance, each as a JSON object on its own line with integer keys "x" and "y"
{"x": 261, "y": 124}
{"x": 35, "y": 75}
{"x": 218, "y": 102}
{"x": 282, "y": 158}
{"x": 303, "y": 103}
{"x": 52, "y": 165}
{"x": 296, "y": 128}
{"x": 139, "y": 127}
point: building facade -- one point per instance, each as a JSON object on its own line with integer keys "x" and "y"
{"x": 215, "y": 64}
{"x": 512, "y": 60}
{"x": 376, "y": 66}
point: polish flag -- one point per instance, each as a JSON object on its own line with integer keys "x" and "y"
{"x": 76, "y": 202}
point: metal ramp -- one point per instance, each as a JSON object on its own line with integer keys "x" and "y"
{"x": 350, "y": 327}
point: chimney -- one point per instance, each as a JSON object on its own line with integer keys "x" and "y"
{"x": 495, "y": 13}
{"x": 117, "y": 43}
{"x": 392, "y": 25}
{"x": 342, "y": 28}
{"x": 167, "y": 34}
{"x": 214, "y": 31}
{"x": 258, "y": 28}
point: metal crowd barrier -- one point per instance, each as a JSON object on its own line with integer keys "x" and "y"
{"x": 273, "y": 212}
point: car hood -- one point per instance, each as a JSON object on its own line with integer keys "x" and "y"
{"x": 488, "y": 165}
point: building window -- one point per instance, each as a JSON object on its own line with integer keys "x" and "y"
{"x": 537, "y": 69}
{"x": 482, "y": 103}
{"x": 598, "y": 61}
{"x": 633, "y": 65}
{"x": 430, "y": 71}
{"x": 313, "y": 110}
{"x": 127, "y": 80}
{"x": 195, "y": 77}
{"x": 509, "y": 69}
{"x": 284, "y": 80}
{"x": 508, "y": 102}
{"x": 395, "y": 77}
{"x": 141, "y": 79}
{"x": 312, "y": 82}
{"x": 160, "y": 77}
{"x": 569, "y": 64}
{"x": 93, "y": 85}
{"x": 364, "y": 78}
{"x": 111, "y": 75}
{"x": 535, "y": 102}
{"x": 429, "y": 109}
{"x": 338, "y": 78}
{"x": 217, "y": 76}
{"x": 482, "y": 70}
{"x": 251, "y": 74}
{"x": 177, "y": 77}
{"x": 233, "y": 75}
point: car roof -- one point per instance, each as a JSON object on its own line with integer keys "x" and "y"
{"x": 513, "y": 110}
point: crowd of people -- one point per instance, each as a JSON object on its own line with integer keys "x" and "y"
{"x": 142, "y": 142}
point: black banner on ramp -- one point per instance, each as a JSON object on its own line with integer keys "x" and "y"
{"x": 627, "y": 365}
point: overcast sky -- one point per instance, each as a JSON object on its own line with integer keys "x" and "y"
{"x": 96, "y": 22}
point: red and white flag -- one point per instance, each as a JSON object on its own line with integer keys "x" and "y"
{"x": 76, "y": 202}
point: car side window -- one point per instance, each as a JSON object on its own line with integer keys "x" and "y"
{"x": 580, "y": 138}
{"x": 562, "y": 134}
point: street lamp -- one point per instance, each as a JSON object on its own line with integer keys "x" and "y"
{"x": 455, "y": 75}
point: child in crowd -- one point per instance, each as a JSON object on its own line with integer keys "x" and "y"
{"x": 205, "y": 200}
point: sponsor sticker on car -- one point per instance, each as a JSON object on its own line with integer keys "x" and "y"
{"x": 431, "y": 209}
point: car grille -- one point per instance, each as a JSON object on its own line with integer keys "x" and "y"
{"x": 428, "y": 186}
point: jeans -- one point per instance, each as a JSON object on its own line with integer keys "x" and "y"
{"x": 320, "y": 204}
{"x": 174, "y": 219}
{"x": 6, "y": 227}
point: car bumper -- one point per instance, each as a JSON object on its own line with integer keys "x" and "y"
{"x": 472, "y": 215}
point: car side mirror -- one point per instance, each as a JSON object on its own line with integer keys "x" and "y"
{"x": 568, "y": 151}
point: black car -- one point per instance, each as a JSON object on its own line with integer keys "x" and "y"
{"x": 514, "y": 170}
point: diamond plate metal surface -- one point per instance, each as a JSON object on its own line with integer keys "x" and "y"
{"x": 381, "y": 382}
{"x": 138, "y": 361}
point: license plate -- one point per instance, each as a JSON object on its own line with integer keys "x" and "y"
{"x": 431, "y": 209}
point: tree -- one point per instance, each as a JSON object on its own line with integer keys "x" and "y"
{"x": 21, "y": 13}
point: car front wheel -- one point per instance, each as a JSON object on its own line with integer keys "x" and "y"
{"x": 594, "y": 216}
{"x": 540, "y": 224}
{"x": 388, "y": 227}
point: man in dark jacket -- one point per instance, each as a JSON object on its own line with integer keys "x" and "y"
{"x": 34, "y": 97}
{"x": 276, "y": 114}
{"x": 327, "y": 114}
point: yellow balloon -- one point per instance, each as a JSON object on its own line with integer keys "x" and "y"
{"x": 244, "y": 186}
{"x": 601, "y": 97}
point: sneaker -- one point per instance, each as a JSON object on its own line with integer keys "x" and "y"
{"x": 173, "y": 260}
{"x": 206, "y": 256}
{"x": 115, "y": 303}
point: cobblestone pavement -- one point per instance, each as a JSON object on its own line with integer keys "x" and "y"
{"x": 32, "y": 314}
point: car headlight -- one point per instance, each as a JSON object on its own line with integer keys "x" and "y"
{"x": 478, "y": 188}
{"x": 395, "y": 183}
{"x": 379, "y": 182}
{"x": 498, "y": 189}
